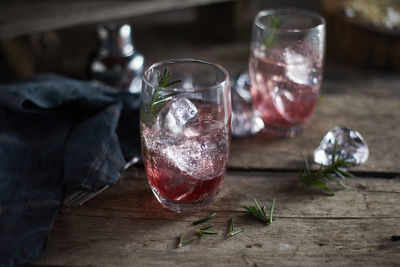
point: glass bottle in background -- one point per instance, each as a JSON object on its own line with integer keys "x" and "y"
{"x": 118, "y": 64}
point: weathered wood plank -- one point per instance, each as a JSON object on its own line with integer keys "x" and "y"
{"x": 364, "y": 197}
{"x": 82, "y": 241}
{"x": 18, "y": 18}
{"x": 126, "y": 226}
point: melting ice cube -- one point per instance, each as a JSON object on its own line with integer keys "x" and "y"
{"x": 350, "y": 144}
{"x": 244, "y": 121}
{"x": 173, "y": 117}
{"x": 298, "y": 67}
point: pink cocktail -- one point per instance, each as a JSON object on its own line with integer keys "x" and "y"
{"x": 286, "y": 61}
{"x": 185, "y": 142}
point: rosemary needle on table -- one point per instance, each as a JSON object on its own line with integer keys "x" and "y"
{"x": 261, "y": 213}
{"x": 184, "y": 243}
{"x": 204, "y": 231}
{"x": 203, "y": 220}
{"x": 232, "y": 230}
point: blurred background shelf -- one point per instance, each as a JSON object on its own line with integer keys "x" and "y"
{"x": 18, "y": 18}
{"x": 60, "y": 36}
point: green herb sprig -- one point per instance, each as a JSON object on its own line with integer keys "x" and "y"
{"x": 261, "y": 213}
{"x": 334, "y": 172}
{"x": 204, "y": 231}
{"x": 184, "y": 243}
{"x": 205, "y": 219}
{"x": 159, "y": 98}
{"x": 232, "y": 230}
{"x": 275, "y": 23}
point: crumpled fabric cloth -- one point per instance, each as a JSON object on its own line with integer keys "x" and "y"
{"x": 56, "y": 131}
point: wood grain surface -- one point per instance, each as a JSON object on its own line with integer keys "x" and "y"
{"x": 125, "y": 226}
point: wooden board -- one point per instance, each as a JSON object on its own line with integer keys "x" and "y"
{"x": 125, "y": 226}
{"x": 18, "y": 18}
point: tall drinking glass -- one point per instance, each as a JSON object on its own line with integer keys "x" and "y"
{"x": 185, "y": 131}
{"x": 286, "y": 61}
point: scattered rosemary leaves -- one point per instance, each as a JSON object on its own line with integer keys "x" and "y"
{"x": 334, "y": 172}
{"x": 204, "y": 231}
{"x": 261, "y": 213}
{"x": 159, "y": 97}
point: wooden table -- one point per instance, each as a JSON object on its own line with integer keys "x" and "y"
{"x": 125, "y": 226}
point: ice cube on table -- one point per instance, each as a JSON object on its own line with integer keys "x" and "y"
{"x": 241, "y": 85}
{"x": 175, "y": 114}
{"x": 349, "y": 143}
{"x": 244, "y": 121}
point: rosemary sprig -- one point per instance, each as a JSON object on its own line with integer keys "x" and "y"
{"x": 275, "y": 23}
{"x": 204, "y": 231}
{"x": 261, "y": 213}
{"x": 203, "y": 220}
{"x": 334, "y": 172}
{"x": 232, "y": 230}
{"x": 184, "y": 243}
{"x": 159, "y": 98}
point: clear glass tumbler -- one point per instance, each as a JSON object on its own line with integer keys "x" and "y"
{"x": 286, "y": 62}
{"x": 185, "y": 131}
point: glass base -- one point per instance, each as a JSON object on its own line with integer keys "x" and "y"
{"x": 277, "y": 131}
{"x": 182, "y": 207}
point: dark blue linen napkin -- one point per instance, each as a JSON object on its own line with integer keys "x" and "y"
{"x": 56, "y": 131}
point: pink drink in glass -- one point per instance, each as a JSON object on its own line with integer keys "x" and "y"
{"x": 285, "y": 85}
{"x": 285, "y": 67}
{"x": 185, "y": 124}
{"x": 187, "y": 167}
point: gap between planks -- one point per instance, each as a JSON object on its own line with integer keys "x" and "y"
{"x": 358, "y": 174}
{"x": 237, "y": 213}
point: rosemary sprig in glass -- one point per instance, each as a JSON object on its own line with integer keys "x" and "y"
{"x": 204, "y": 231}
{"x": 275, "y": 24}
{"x": 232, "y": 230}
{"x": 261, "y": 213}
{"x": 159, "y": 97}
{"x": 334, "y": 172}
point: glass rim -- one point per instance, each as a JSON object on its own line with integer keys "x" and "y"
{"x": 267, "y": 12}
{"x": 187, "y": 60}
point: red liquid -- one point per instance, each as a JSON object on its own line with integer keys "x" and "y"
{"x": 188, "y": 167}
{"x": 284, "y": 88}
{"x": 172, "y": 184}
